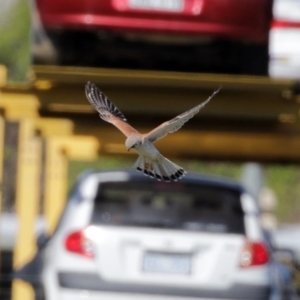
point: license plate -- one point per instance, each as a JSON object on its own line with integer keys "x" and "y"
{"x": 167, "y": 263}
{"x": 160, "y": 5}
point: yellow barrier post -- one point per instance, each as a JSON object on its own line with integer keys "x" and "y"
{"x": 3, "y": 81}
{"x": 58, "y": 151}
{"x": 21, "y": 109}
{"x": 54, "y": 127}
{"x": 34, "y": 134}
{"x": 3, "y": 76}
{"x": 18, "y": 106}
{"x": 29, "y": 176}
{"x": 2, "y": 129}
{"x": 27, "y": 202}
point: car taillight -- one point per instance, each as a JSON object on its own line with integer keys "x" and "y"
{"x": 77, "y": 242}
{"x": 254, "y": 254}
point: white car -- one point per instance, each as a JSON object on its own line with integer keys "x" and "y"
{"x": 126, "y": 236}
{"x": 284, "y": 40}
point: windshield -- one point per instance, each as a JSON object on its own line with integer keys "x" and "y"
{"x": 183, "y": 206}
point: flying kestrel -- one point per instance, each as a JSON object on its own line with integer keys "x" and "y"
{"x": 150, "y": 161}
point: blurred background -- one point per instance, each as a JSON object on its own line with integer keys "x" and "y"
{"x": 154, "y": 59}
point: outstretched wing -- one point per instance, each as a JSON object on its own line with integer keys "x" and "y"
{"x": 176, "y": 123}
{"x": 107, "y": 110}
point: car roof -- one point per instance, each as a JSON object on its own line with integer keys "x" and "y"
{"x": 191, "y": 177}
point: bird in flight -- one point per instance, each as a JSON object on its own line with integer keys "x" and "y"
{"x": 150, "y": 161}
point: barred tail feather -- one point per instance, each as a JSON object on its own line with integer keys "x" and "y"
{"x": 173, "y": 171}
{"x": 139, "y": 164}
{"x": 162, "y": 170}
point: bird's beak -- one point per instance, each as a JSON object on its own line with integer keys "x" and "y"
{"x": 128, "y": 149}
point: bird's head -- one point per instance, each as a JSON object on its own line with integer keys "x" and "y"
{"x": 132, "y": 141}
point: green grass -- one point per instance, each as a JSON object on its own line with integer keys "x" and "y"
{"x": 285, "y": 182}
{"x": 15, "y": 39}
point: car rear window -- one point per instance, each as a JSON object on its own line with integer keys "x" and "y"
{"x": 184, "y": 206}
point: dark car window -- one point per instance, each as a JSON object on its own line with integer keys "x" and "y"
{"x": 195, "y": 207}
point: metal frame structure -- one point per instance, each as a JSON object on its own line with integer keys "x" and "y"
{"x": 43, "y": 147}
{"x": 259, "y": 114}
{"x": 252, "y": 118}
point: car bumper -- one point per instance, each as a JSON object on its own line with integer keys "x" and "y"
{"x": 91, "y": 286}
{"x": 284, "y": 51}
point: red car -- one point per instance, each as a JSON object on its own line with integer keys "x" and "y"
{"x": 180, "y": 22}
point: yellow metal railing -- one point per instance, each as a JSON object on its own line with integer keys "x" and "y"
{"x": 43, "y": 149}
{"x": 59, "y": 149}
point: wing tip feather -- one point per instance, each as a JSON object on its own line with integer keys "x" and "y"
{"x": 100, "y": 102}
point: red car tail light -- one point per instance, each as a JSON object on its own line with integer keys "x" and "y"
{"x": 254, "y": 254}
{"x": 77, "y": 242}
